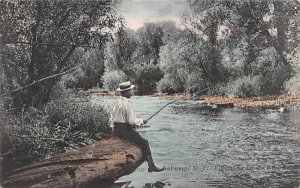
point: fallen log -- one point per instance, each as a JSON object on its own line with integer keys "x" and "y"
{"x": 97, "y": 165}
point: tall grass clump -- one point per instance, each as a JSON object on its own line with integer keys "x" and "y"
{"x": 36, "y": 134}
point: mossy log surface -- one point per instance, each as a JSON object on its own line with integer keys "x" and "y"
{"x": 97, "y": 165}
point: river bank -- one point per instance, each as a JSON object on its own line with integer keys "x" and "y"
{"x": 271, "y": 101}
{"x": 274, "y": 101}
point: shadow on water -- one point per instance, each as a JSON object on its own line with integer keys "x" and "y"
{"x": 220, "y": 148}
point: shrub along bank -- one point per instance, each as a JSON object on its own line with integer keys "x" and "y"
{"x": 62, "y": 124}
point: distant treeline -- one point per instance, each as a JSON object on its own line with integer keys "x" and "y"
{"x": 245, "y": 48}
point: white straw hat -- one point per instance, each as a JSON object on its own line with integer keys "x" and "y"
{"x": 125, "y": 86}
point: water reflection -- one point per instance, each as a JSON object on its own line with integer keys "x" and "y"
{"x": 219, "y": 148}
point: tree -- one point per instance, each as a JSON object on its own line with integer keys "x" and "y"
{"x": 137, "y": 55}
{"x": 40, "y": 37}
{"x": 270, "y": 32}
{"x": 174, "y": 62}
{"x": 183, "y": 61}
{"x": 258, "y": 31}
{"x": 121, "y": 52}
{"x": 112, "y": 79}
{"x": 205, "y": 20}
{"x": 119, "y": 58}
{"x": 89, "y": 75}
{"x": 150, "y": 38}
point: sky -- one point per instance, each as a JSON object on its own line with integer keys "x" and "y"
{"x": 137, "y": 12}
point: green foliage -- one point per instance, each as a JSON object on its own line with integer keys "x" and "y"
{"x": 78, "y": 116}
{"x": 121, "y": 53}
{"x": 246, "y": 39}
{"x": 293, "y": 85}
{"x": 111, "y": 80}
{"x": 207, "y": 21}
{"x": 146, "y": 77}
{"x": 174, "y": 64}
{"x": 137, "y": 55}
{"x": 195, "y": 82}
{"x": 119, "y": 59}
{"x": 40, "y": 37}
{"x": 37, "y": 134}
{"x": 166, "y": 85}
{"x": 89, "y": 75}
{"x": 245, "y": 87}
{"x": 150, "y": 39}
{"x": 187, "y": 60}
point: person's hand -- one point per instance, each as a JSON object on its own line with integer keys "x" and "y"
{"x": 145, "y": 121}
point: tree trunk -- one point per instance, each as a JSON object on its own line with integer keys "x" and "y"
{"x": 34, "y": 55}
{"x": 97, "y": 165}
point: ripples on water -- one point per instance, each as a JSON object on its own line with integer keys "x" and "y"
{"x": 218, "y": 148}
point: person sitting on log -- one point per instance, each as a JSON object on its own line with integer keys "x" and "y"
{"x": 124, "y": 123}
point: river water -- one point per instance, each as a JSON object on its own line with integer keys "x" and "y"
{"x": 220, "y": 148}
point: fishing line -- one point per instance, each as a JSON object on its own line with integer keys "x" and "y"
{"x": 171, "y": 103}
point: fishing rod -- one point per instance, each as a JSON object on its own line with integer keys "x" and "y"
{"x": 161, "y": 109}
{"x": 145, "y": 126}
{"x": 173, "y": 102}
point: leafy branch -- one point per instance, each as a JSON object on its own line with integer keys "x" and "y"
{"x": 47, "y": 44}
{"x": 41, "y": 80}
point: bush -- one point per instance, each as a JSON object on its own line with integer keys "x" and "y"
{"x": 111, "y": 80}
{"x": 22, "y": 138}
{"x": 40, "y": 133}
{"x": 165, "y": 86}
{"x": 147, "y": 75}
{"x": 245, "y": 87}
{"x": 293, "y": 85}
{"x": 195, "y": 83}
{"x": 78, "y": 116}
